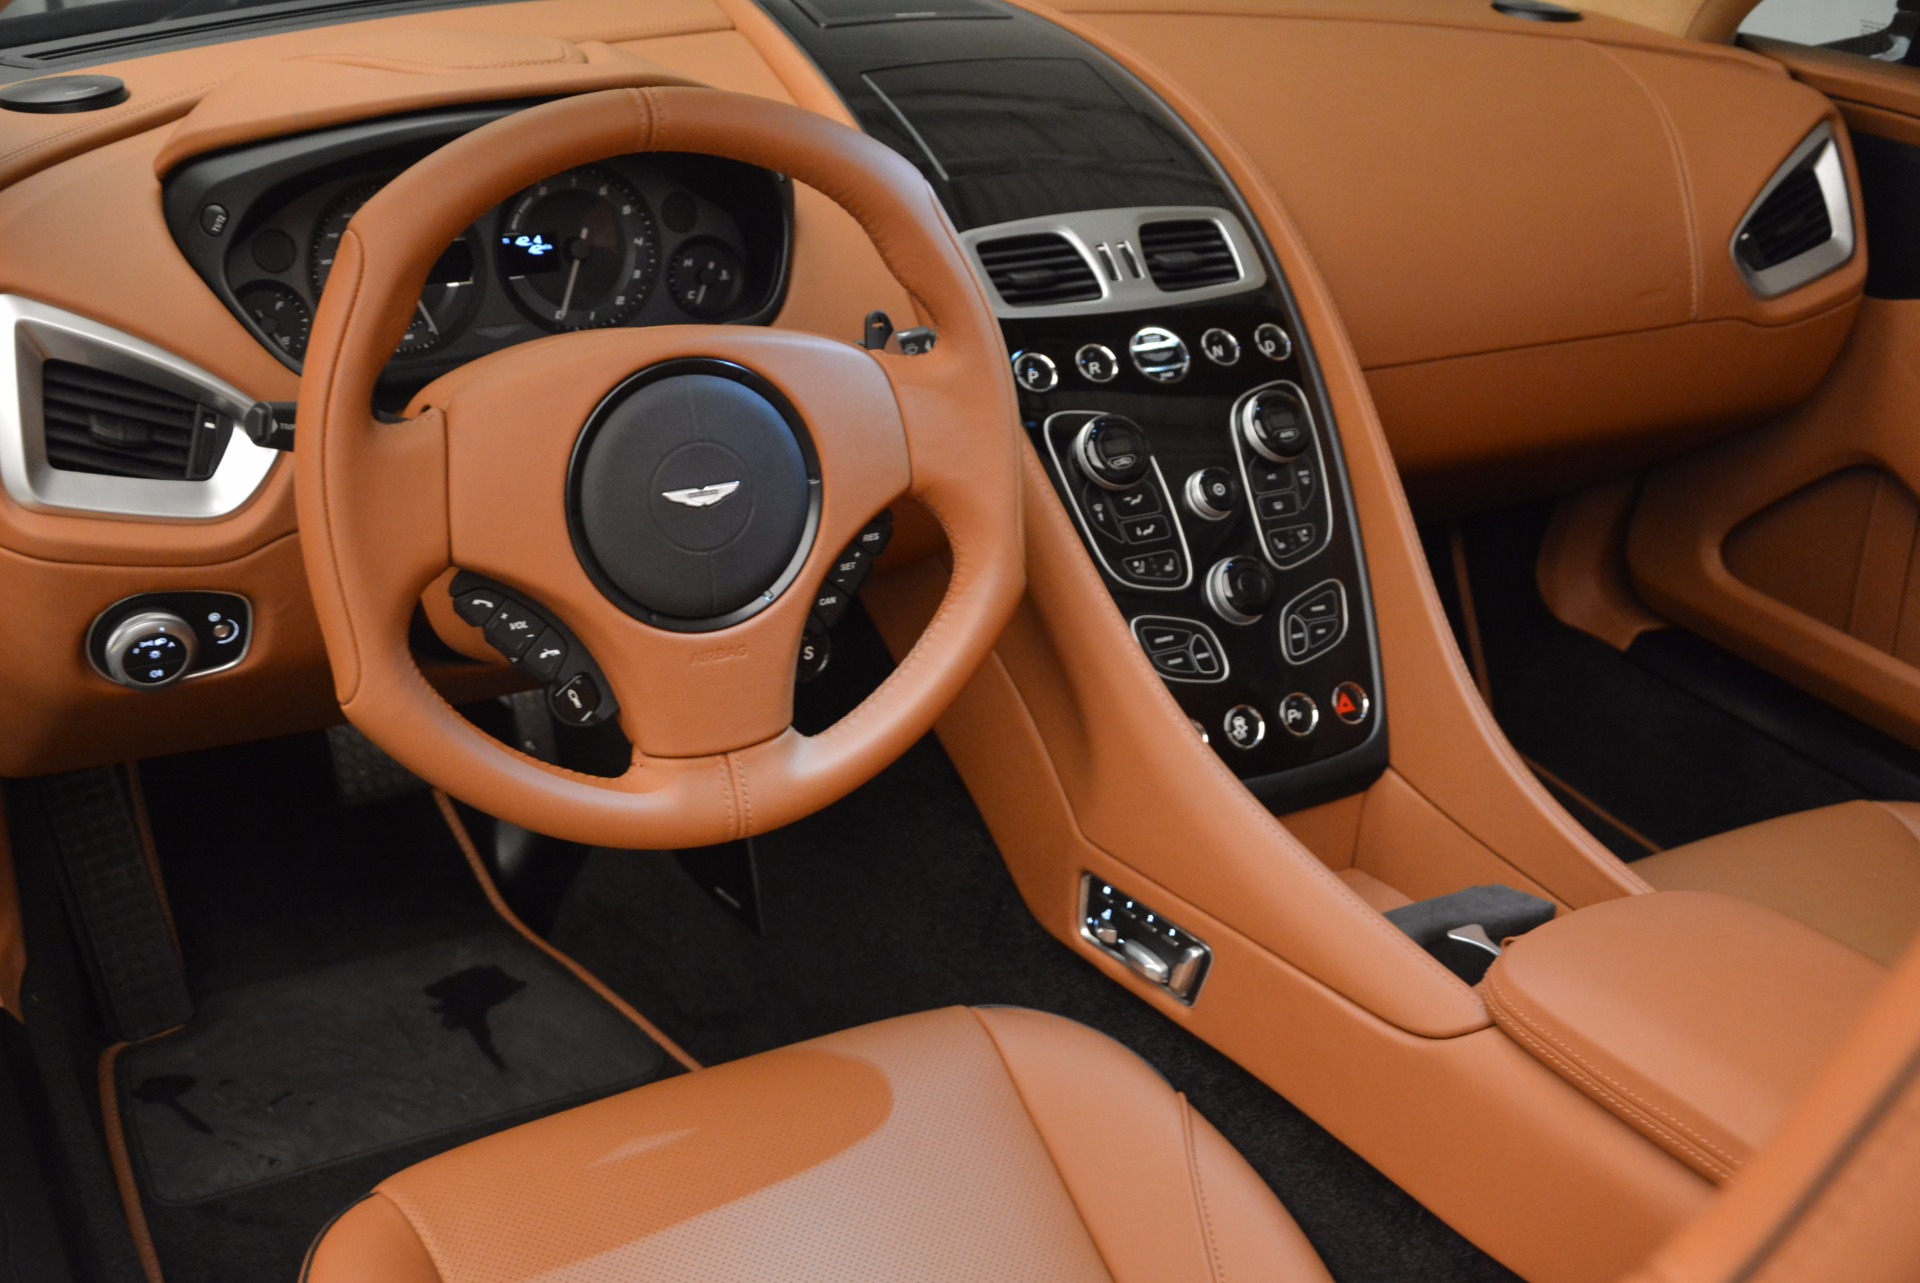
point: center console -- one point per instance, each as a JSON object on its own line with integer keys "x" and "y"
{"x": 1165, "y": 379}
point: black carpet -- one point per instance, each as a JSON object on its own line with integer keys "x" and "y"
{"x": 359, "y": 1007}
{"x": 1651, "y": 754}
{"x": 895, "y": 900}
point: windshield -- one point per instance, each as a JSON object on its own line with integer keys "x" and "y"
{"x": 32, "y": 22}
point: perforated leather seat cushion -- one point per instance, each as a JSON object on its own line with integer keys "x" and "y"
{"x": 957, "y": 1145}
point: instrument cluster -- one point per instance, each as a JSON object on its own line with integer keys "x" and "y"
{"x": 632, "y": 241}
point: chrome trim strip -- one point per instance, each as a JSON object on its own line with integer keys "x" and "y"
{"x": 1100, "y": 234}
{"x": 35, "y": 333}
{"x": 1823, "y": 259}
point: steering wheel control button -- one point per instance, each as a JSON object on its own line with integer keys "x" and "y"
{"x": 831, "y": 604}
{"x": 693, "y": 496}
{"x": 1113, "y": 452}
{"x": 545, "y": 658}
{"x": 1314, "y": 622}
{"x": 1351, "y": 703}
{"x": 1299, "y": 714}
{"x": 150, "y": 650}
{"x": 1097, "y": 363}
{"x": 1160, "y": 354}
{"x": 1212, "y": 494}
{"x": 1035, "y": 372}
{"x": 1272, "y": 342}
{"x": 513, "y": 628}
{"x": 1220, "y": 347}
{"x": 849, "y": 573}
{"x": 816, "y": 652}
{"x": 879, "y": 533}
{"x": 1244, "y": 727}
{"x": 1275, "y": 423}
{"x": 1239, "y": 589}
{"x": 577, "y": 701}
{"x": 478, "y": 607}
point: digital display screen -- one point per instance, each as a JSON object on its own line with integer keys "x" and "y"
{"x": 530, "y": 254}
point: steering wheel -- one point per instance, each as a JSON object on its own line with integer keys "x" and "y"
{"x": 545, "y": 468}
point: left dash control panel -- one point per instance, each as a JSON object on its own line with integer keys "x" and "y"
{"x": 155, "y": 640}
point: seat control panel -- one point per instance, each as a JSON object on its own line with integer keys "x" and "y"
{"x": 1141, "y": 940}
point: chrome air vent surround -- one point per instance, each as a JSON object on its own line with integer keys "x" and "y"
{"x": 33, "y": 334}
{"x": 1786, "y": 199}
{"x": 1110, "y": 241}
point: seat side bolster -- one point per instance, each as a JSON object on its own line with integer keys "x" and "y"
{"x": 1163, "y": 1196}
{"x": 371, "y": 1242}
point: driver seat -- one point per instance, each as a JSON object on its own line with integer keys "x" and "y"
{"x": 953, "y": 1146}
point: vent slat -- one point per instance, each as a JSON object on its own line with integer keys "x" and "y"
{"x": 1038, "y": 269}
{"x": 1791, "y": 221}
{"x": 111, "y": 425}
{"x": 1188, "y": 254}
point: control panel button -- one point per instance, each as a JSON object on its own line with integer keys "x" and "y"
{"x": 1351, "y": 703}
{"x": 1274, "y": 507}
{"x": 545, "y": 657}
{"x": 1314, "y": 622}
{"x": 513, "y": 628}
{"x": 478, "y": 607}
{"x": 1239, "y": 589}
{"x": 1097, "y": 363}
{"x": 1212, "y": 494}
{"x": 1141, "y": 940}
{"x": 150, "y": 650}
{"x": 830, "y": 604}
{"x": 1153, "y": 529}
{"x": 1113, "y": 452}
{"x": 1098, "y": 505}
{"x": 878, "y": 534}
{"x": 1220, "y": 346}
{"x": 1272, "y": 342}
{"x": 1181, "y": 649}
{"x": 1160, "y": 354}
{"x": 1153, "y": 567}
{"x": 816, "y": 653}
{"x": 1299, "y": 714}
{"x": 1244, "y": 727}
{"x": 1137, "y": 502}
{"x": 1292, "y": 541}
{"x": 1035, "y": 371}
{"x": 577, "y": 701}
{"x": 1275, "y": 423}
{"x": 850, "y": 570}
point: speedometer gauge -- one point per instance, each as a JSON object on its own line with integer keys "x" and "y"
{"x": 579, "y": 251}
{"x": 448, "y": 295}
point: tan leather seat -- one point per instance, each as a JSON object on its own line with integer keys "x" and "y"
{"x": 1851, "y": 871}
{"x": 957, "y": 1145}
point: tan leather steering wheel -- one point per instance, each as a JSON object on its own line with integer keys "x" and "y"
{"x": 478, "y": 478}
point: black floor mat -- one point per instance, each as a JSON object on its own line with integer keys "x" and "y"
{"x": 1648, "y": 754}
{"x": 359, "y": 1007}
{"x": 287, "y": 1075}
{"x": 895, "y": 900}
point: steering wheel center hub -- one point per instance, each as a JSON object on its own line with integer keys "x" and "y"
{"x": 693, "y": 495}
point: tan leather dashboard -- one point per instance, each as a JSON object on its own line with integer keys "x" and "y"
{"x": 1527, "y": 226}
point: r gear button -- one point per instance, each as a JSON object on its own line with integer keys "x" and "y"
{"x": 1351, "y": 703}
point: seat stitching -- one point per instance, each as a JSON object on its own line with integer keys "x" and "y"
{"x": 1013, "y": 1081}
{"x": 1200, "y": 1192}
{"x": 1502, "y": 1003}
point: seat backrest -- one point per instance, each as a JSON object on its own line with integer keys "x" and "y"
{"x": 1836, "y": 1193}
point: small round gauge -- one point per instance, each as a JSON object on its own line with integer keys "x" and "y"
{"x": 448, "y": 295}
{"x": 279, "y": 314}
{"x": 705, "y": 278}
{"x": 579, "y": 251}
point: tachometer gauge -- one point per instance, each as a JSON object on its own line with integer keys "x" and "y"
{"x": 579, "y": 251}
{"x": 705, "y": 278}
{"x": 282, "y": 316}
{"x": 448, "y": 295}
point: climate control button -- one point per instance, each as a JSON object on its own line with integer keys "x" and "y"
{"x": 1276, "y": 425}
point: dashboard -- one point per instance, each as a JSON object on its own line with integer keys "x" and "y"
{"x": 633, "y": 241}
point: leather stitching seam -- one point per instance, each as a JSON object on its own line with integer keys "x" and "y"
{"x": 1200, "y": 1193}
{"x": 128, "y": 110}
{"x": 1677, "y": 152}
{"x": 1610, "y": 1089}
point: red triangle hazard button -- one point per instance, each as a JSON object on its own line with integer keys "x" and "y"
{"x": 1350, "y": 703}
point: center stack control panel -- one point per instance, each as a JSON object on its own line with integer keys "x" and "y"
{"x": 1195, "y": 449}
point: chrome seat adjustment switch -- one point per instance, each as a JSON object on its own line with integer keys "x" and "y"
{"x": 1142, "y": 941}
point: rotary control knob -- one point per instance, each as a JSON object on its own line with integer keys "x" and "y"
{"x": 1113, "y": 452}
{"x": 1212, "y": 494}
{"x": 149, "y": 650}
{"x": 1276, "y": 425}
{"x": 1239, "y": 589}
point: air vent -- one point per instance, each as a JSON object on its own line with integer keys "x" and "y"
{"x": 111, "y": 425}
{"x": 1792, "y": 220}
{"x": 1038, "y": 269}
{"x": 1188, "y": 254}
